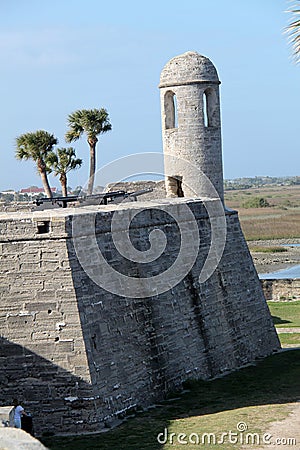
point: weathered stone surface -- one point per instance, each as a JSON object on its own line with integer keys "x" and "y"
{"x": 281, "y": 290}
{"x": 4, "y": 416}
{"x": 13, "y": 439}
{"x": 189, "y": 91}
{"x": 158, "y": 189}
{"x": 79, "y": 356}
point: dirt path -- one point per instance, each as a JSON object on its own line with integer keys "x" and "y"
{"x": 288, "y": 330}
{"x": 285, "y": 433}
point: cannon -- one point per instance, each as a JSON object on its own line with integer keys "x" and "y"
{"x": 95, "y": 199}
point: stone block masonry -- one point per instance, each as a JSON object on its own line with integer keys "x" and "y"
{"x": 80, "y": 356}
{"x": 281, "y": 290}
{"x": 14, "y": 439}
{"x": 191, "y": 126}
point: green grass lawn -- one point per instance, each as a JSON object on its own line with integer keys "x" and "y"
{"x": 254, "y": 395}
{"x": 285, "y": 314}
{"x": 288, "y": 339}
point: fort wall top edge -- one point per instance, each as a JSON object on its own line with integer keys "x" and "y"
{"x": 57, "y": 223}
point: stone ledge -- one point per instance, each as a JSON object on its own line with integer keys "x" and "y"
{"x": 14, "y": 439}
{"x": 24, "y": 227}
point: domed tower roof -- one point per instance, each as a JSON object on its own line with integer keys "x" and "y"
{"x": 190, "y": 67}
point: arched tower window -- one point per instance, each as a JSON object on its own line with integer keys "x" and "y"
{"x": 210, "y": 108}
{"x": 205, "y": 110}
{"x": 171, "y": 120}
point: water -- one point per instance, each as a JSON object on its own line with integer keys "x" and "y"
{"x": 291, "y": 245}
{"x": 291, "y": 272}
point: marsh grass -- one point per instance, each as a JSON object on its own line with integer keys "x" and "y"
{"x": 263, "y": 227}
{"x": 277, "y": 196}
{"x": 275, "y": 249}
{"x": 279, "y": 221}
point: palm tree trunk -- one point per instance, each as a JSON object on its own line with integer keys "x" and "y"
{"x": 63, "y": 182}
{"x": 92, "y": 145}
{"x": 42, "y": 171}
{"x": 45, "y": 182}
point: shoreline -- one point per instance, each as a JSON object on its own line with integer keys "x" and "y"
{"x": 274, "y": 261}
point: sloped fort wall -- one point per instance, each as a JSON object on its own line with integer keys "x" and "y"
{"x": 79, "y": 356}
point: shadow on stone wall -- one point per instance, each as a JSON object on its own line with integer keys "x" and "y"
{"x": 43, "y": 388}
{"x": 128, "y": 350}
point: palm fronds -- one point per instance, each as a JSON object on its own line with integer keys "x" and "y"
{"x": 293, "y": 31}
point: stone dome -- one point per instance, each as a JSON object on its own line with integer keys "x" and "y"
{"x": 188, "y": 68}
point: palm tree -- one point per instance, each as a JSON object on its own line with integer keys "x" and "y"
{"x": 93, "y": 122}
{"x": 61, "y": 162}
{"x": 36, "y": 146}
{"x": 293, "y": 29}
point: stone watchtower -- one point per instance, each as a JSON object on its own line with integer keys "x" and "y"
{"x": 191, "y": 126}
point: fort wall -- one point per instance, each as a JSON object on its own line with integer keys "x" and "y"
{"x": 79, "y": 355}
{"x": 281, "y": 290}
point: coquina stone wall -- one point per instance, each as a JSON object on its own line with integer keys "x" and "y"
{"x": 157, "y": 189}
{"x": 79, "y": 356}
{"x": 281, "y": 290}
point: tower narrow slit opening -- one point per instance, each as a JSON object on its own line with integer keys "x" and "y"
{"x": 210, "y": 107}
{"x": 205, "y": 110}
{"x": 171, "y": 115}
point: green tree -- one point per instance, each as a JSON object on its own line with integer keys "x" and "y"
{"x": 293, "y": 30}
{"x": 61, "y": 162}
{"x": 256, "y": 202}
{"x": 92, "y": 122}
{"x": 36, "y": 146}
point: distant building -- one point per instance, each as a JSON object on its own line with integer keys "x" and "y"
{"x": 35, "y": 191}
{"x": 8, "y": 191}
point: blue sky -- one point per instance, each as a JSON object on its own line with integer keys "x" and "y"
{"x": 64, "y": 55}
